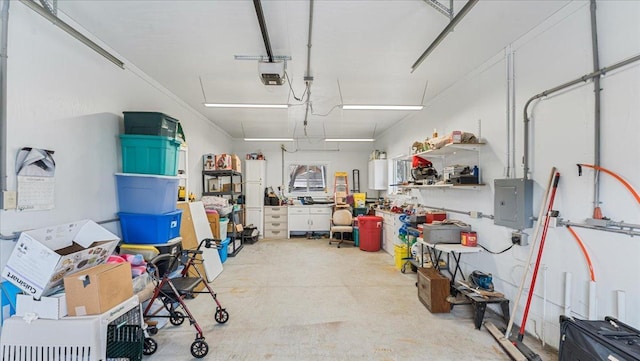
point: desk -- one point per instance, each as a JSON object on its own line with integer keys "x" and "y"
{"x": 455, "y": 250}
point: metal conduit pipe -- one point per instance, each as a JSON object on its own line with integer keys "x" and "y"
{"x": 628, "y": 232}
{"x": 468, "y": 213}
{"x": 4, "y": 40}
{"x": 597, "y": 119}
{"x": 547, "y": 92}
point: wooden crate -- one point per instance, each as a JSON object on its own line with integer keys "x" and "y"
{"x": 433, "y": 289}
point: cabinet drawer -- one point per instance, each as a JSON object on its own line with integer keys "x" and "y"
{"x": 275, "y": 218}
{"x": 320, "y": 210}
{"x": 275, "y": 233}
{"x": 275, "y": 210}
{"x": 298, "y": 210}
{"x": 273, "y": 226}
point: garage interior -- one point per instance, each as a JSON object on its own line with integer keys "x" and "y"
{"x": 514, "y": 119}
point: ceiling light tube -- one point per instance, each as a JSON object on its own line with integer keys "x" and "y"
{"x": 241, "y": 105}
{"x": 381, "y": 107}
{"x": 349, "y": 140}
{"x": 268, "y": 139}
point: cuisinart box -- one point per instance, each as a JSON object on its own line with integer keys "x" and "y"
{"x": 42, "y": 257}
{"x": 443, "y": 232}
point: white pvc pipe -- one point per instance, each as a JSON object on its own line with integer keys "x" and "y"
{"x": 593, "y": 307}
{"x": 567, "y": 294}
{"x": 621, "y": 305}
{"x": 544, "y": 302}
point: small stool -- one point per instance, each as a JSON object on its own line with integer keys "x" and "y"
{"x": 480, "y": 305}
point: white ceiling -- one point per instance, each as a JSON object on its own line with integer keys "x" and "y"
{"x": 368, "y": 46}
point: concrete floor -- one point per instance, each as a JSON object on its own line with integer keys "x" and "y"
{"x": 301, "y": 299}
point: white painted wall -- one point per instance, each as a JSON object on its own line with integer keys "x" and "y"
{"x": 556, "y": 51}
{"x": 343, "y": 157}
{"x": 65, "y": 97}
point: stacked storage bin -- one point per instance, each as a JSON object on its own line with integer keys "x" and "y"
{"x": 148, "y": 188}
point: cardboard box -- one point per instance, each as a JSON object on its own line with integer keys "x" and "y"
{"x": 43, "y": 257}
{"x": 98, "y": 289}
{"x": 53, "y": 307}
{"x": 226, "y": 187}
{"x": 237, "y": 187}
{"x": 209, "y": 162}
{"x": 236, "y": 163}
{"x": 223, "y": 162}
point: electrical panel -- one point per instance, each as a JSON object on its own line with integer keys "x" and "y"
{"x": 513, "y": 203}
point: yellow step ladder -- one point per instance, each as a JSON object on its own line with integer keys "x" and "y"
{"x": 340, "y": 188}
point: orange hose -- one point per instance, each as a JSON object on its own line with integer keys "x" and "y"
{"x": 620, "y": 179}
{"x": 584, "y": 251}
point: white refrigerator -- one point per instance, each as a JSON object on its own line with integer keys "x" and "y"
{"x": 255, "y": 181}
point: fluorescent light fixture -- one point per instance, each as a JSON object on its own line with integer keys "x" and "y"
{"x": 241, "y": 105}
{"x": 382, "y": 107}
{"x": 349, "y": 140}
{"x": 268, "y": 139}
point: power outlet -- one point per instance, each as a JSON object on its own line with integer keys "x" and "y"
{"x": 519, "y": 238}
{"x": 9, "y": 200}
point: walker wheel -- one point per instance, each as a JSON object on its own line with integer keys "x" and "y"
{"x": 222, "y": 316}
{"x": 199, "y": 349}
{"x": 150, "y": 346}
{"x": 176, "y": 318}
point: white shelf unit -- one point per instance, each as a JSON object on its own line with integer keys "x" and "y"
{"x": 446, "y": 154}
{"x": 183, "y": 171}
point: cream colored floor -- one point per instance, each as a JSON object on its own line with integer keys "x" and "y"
{"x": 302, "y": 299}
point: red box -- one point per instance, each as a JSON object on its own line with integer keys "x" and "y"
{"x": 469, "y": 239}
{"x": 436, "y": 216}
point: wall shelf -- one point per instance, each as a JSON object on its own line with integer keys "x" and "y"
{"x": 444, "y": 186}
{"x": 451, "y": 148}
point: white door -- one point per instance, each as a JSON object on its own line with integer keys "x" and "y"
{"x": 254, "y": 194}
{"x": 255, "y": 170}
{"x": 254, "y": 216}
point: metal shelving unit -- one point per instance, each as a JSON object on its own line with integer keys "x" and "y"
{"x": 235, "y": 244}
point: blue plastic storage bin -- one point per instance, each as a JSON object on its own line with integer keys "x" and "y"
{"x": 150, "y": 228}
{"x": 222, "y": 249}
{"x": 146, "y": 193}
{"x": 149, "y": 154}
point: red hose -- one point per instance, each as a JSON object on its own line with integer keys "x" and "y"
{"x": 534, "y": 277}
{"x": 584, "y": 251}
{"x": 620, "y": 179}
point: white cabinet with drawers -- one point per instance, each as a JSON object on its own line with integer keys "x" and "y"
{"x": 275, "y": 222}
{"x": 309, "y": 219}
{"x": 390, "y": 226}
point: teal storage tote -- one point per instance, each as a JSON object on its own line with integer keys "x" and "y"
{"x": 146, "y": 193}
{"x": 149, "y": 154}
{"x": 150, "y": 228}
{"x": 222, "y": 249}
{"x": 150, "y": 123}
